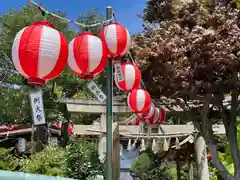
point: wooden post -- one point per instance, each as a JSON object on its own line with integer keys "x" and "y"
{"x": 202, "y": 162}
{"x": 116, "y": 152}
{"x": 38, "y": 117}
{"x": 178, "y": 166}
{"x": 178, "y": 171}
{"x": 102, "y": 138}
{"x": 190, "y": 169}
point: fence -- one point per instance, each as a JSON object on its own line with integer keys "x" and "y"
{"x": 9, "y": 175}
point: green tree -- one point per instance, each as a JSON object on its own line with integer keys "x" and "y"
{"x": 66, "y": 85}
{"x": 16, "y": 100}
{"x": 190, "y": 57}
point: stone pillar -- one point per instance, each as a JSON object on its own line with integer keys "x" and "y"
{"x": 202, "y": 162}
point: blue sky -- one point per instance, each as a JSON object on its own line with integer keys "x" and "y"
{"x": 125, "y": 10}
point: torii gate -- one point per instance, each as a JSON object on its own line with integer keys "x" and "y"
{"x": 95, "y": 107}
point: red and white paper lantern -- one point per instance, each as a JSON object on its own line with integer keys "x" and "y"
{"x": 148, "y": 113}
{"x": 39, "y": 52}
{"x": 87, "y": 55}
{"x": 139, "y": 100}
{"x": 162, "y": 116}
{"x": 117, "y": 39}
{"x": 131, "y": 77}
{"x": 158, "y": 117}
{"x": 155, "y": 118}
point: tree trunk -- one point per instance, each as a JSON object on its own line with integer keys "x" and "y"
{"x": 207, "y": 133}
{"x": 217, "y": 163}
{"x": 230, "y": 124}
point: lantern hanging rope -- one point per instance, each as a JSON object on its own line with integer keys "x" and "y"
{"x": 43, "y": 10}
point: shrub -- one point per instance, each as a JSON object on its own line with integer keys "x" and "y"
{"x": 48, "y": 162}
{"x": 147, "y": 168}
{"x": 82, "y": 160}
{"x": 7, "y": 161}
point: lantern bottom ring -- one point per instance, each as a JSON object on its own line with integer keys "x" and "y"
{"x": 37, "y": 82}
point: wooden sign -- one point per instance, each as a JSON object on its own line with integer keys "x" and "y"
{"x": 96, "y": 91}
{"x": 37, "y": 106}
{"x": 118, "y": 72}
{"x": 21, "y": 146}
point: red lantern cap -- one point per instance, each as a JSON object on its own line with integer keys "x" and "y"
{"x": 37, "y": 82}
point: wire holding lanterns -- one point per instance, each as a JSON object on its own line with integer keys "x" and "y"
{"x": 87, "y": 56}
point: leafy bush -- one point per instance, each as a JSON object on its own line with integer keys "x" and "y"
{"x": 79, "y": 160}
{"x": 156, "y": 174}
{"x": 82, "y": 160}
{"x": 147, "y": 168}
{"x": 7, "y": 161}
{"x": 48, "y": 162}
{"x": 142, "y": 164}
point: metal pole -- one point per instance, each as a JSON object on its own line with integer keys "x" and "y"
{"x": 109, "y": 170}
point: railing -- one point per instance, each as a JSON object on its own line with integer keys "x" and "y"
{"x": 9, "y": 175}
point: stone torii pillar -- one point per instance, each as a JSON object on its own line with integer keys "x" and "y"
{"x": 202, "y": 162}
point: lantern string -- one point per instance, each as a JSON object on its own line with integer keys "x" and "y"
{"x": 66, "y": 19}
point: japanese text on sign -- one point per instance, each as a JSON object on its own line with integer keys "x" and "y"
{"x": 37, "y": 107}
{"x": 97, "y": 92}
{"x": 118, "y": 72}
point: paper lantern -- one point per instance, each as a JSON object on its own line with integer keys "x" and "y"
{"x": 135, "y": 122}
{"x": 162, "y": 116}
{"x": 39, "y": 52}
{"x": 155, "y": 118}
{"x": 70, "y": 128}
{"x": 148, "y": 113}
{"x": 139, "y": 100}
{"x": 87, "y": 55}
{"x": 117, "y": 39}
{"x": 209, "y": 156}
{"x": 59, "y": 126}
{"x": 132, "y": 77}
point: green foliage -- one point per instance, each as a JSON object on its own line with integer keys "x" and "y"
{"x": 91, "y": 17}
{"x": 142, "y": 164}
{"x": 226, "y": 158}
{"x": 48, "y": 162}
{"x": 82, "y": 160}
{"x": 147, "y": 168}
{"x": 7, "y": 161}
{"x": 156, "y": 174}
{"x": 79, "y": 160}
{"x": 66, "y": 85}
